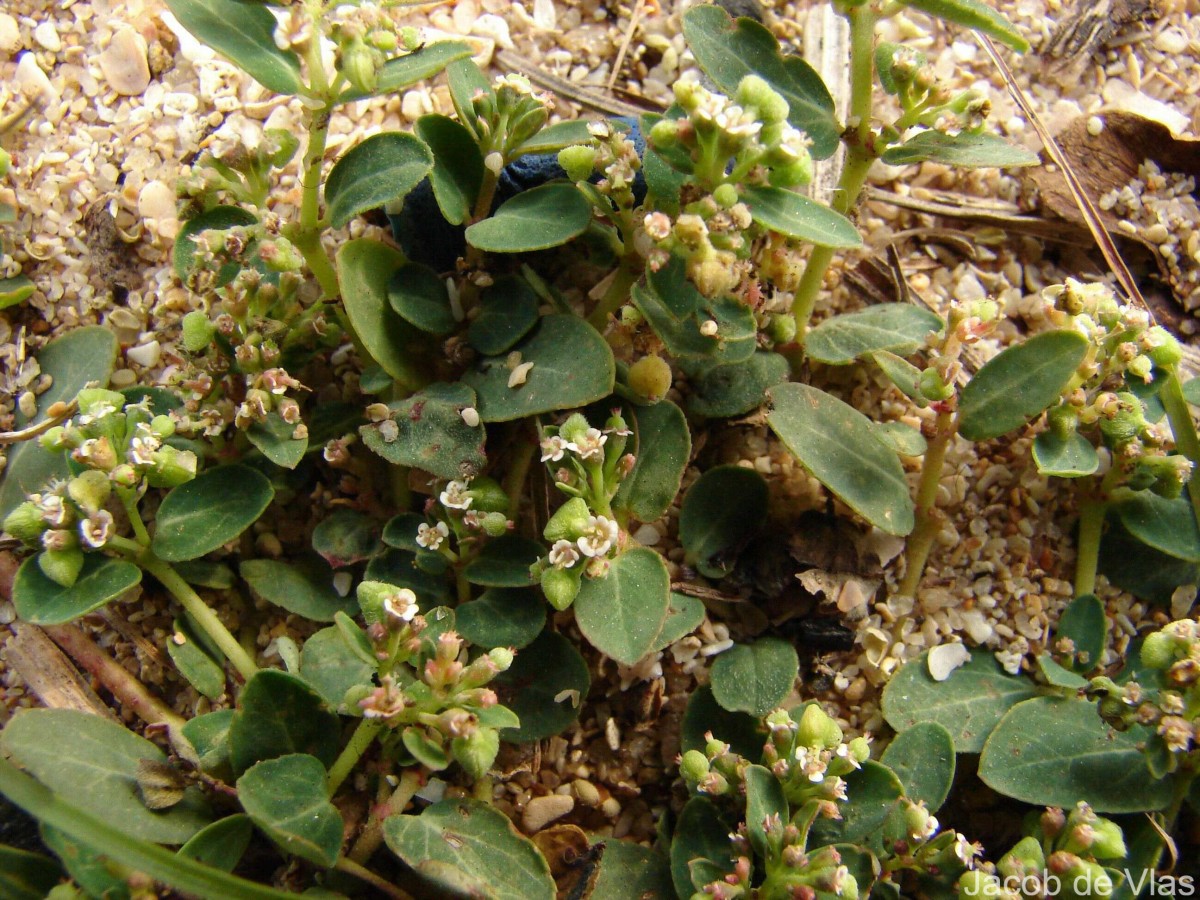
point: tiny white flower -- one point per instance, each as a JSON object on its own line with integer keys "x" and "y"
{"x": 601, "y": 534}
{"x": 402, "y": 605}
{"x": 590, "y": 445}
{"x": 563, "y": 554}
{"x": 96, "y": 529}
{"x": 431, "y": 537}
{"x": 553, "y": 448}
{"x": 54, "y": 511}
{"x": 455, "y": 496}
{"x": 964, "y": 849}
{"x": 98, "y": 412}
{"x": 839, "y": 789}
{"x": 142, "y": 449}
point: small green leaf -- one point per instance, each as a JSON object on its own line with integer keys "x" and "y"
{"x": 502, "y": 617}
{"x": 721, "y": 391}
{"x": 508, "y": 310}
{"x": 1056, "y": 751}
{"x": 572, "y": 367}
{"x": 221, "y": 844}
{"x": 380, "y": 169}
{"x": 720, "y": 514}
{"x": 923, "y": 759}
{"x": 186, "y": 251}
{"x": 969, "y": 703}
{"x": 700, "y": 833}
{"x": 901, "y": 439}
{"x": 404, "y": 71}
{"x": 274, "y": 439}
{"x": 875, "y": 789}
{"x": 963, "y": 150}
{"x": 675, "y": 310}
{"x": 622, "y": 612}
{"x": 457, "y": 166}
{"x": 332, "y": 665}
{"x": 796, "y": 216}
{"x": 1059, "y": 676}
{"x": 729, "y": 50}
{"x": 1169, "y": 526}
{"x": 1138, "y": 568}
{"x": 504, "y": 562}
{"x": 684, "y": 616}
{"x": 208, "y": 511}
{"x": 244, "y": 33}
{"x": 25, "y": 875}
{"x": 420, "y": 298}
{"x": 473, "y": 839}
{"x": 899, "y": 328}
{"x": 885, "y": 61}
{"x": 1019, "y": 383}
{"x": 555, "y": 137}
{"x": 764, "y": 802}
{"x": 737, "y": 729}
{"x": 303, "y": 587}
{"x": 94, "y": 761}
{"x": 1073, "y": 457}
{"x": 466, "y": 82}
{"x": 286, "y": 798}
{"x": 664, "y": 446}
{"x": 365, "y": 269}
{"x": 629, "y": 871}
{"x": 201, "y": 671}
{"x": 14, "y": 290}
{"x": 40, "y": 601}
{"x": 545, "y": 686}
{"x": 974, "y": 15}
{"x": 280, "y": 714}
{"x": 537, "y": 219}
{"x": 345, "y": 537}
{"x": 837, "y": 444}
{"x": 1084, "y": 622}
{"x": 209, "y": 735}
{"x": 903, "y": 374}
{"x": 430, "y": 434}
{"x": 755, "y": 678}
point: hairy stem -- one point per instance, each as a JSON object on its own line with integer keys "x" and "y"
{"x": 201, "y": 614}
{"x": 920, "y": 542}
{"x": 364, "y": 735}
{"x": 372, "y": 834}
{"x": 1087, "y": 553}
{"x": 617, "y": 293}
{"x": 129, "y": 502}
{"x": 518, "y": 472}
{"x": 1183, "y": 428}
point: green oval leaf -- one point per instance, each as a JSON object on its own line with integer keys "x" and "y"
{"x": 737, "y": 729}
{"x": 755, "y": 678}
{"x": 275, "y": 439}
{"x": 555, "y": 137}
{"x": 245, "y": 34}
{"x": 901, "y": 439}
{"x": 400, "y": 72}
{"x": 331, "y": 665}
{"x": 221, "y": 844}
{"x": 208, "y": 511}
{"x": 201, "y": 671}
{"x": 208, "y": 734}
{"x": 720, "y": 514}
{"x": 94, "y": 761}
{"x": 427, "y": 432}
{"x": 185, "y": 251}
{"x": 1019, "y": 383}
{"x": 504, "y": 562}
{"x": 722, "y": 391}
{"x": 700, "y": 834}
{"x": 622, "y": 612}
{"x": 1085, "y": 623}
{"x": 44, "y": 602}
{"x": 1169, "y": 526}
{"x": 502, "y": 617}
{"x": 572, "y": 367}
{"x": 968, "y": 704}
{"x": 380, "y": 169}
{"x": 923, "y": 759}
{"x": 286, "y": 798}
{"x": 508, "y": 310}
{"x": 457, "y": 166}
{"x": 684, "y": 616}
{"x": 280, "y": 714}
{"x": 664, "y": 446}
{"x": 545, "y": 686}
{"x": 1140, "y": 569}
{"x": 365, "y": 268}
{"x": 796, "y": 216}
{"x": 15, "y": 290}
{"x": 837, "y": 444}
{"x": 974, "y": 15}
{"x": 537, "y": 219}
{"x": 1055, "y": 751}
{"x": 420, "y": 298}
{"x": 303, "y": 587}
{"x": 764, "y": 801}
{"x": 629, "y": 871}
{"x": 964, "y": 150}
{"x": 475, "y": 840}
{"x": 345, "y": 537}
{"x": 875, "y": 789}
{"x": 675, "y": 310}
{"x": 25, "y": 875}
{"x": 729, "y": 50}
{"x": 1074, "y": 457}
{"x": 899, "y": 328}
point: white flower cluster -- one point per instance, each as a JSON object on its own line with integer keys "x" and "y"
{"x": 589, "y": 446}
{"x": 598, "y": 539}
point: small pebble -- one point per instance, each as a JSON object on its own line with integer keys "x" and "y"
{"x": 968, "y": 289}
{"x": 47, "y": 37}
{"x": 10, "y": 34}
{"x": 27, "y": 404}
{"x": 123, "y": 378}
{"x": 1095, "y": 125}
{"x": 544, "y": 15}
{"x": 945, "y": 658}
{"x": 145, "y": 355}
{"x": 29, "y": 75}
{"x": 541, "y": 811}
{"x": 124, "y": 63}
{"x": 1171, "y": 41}
{"x": 156, "y": 201}
{"x": 586, "y": 792}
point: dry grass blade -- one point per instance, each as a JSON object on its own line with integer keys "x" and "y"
{"x": 565, "y": 89}
{"x": 628, "y": 39}
{"x": 1091, "y": 215}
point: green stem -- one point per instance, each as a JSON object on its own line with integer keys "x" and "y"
{"x": 309, "y": 245}
{"x": 201, "y": 614}
{"x": 372, "y": 834}
{"x": 860, "y": 154}
{"x": 518, "y": 472}
{"x": 617, "y": 293}
{"x": 1183, "y": 428}
{"x": 920, "y": 542}
{"x": 350, "y": 867}
{"x": 129, "y": 502}
{"x": 364, "y": 735}
{"x": 1087, "y": 553}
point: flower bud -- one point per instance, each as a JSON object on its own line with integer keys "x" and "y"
{"x": 726, "y": 196}
{"x": 578, "y": 161}
{"x": 90, "y": 489}
{"x": 360, "y": 65}
{"x": 125, "y": 476}
{"x": 569, "y": 522}
{"x": 61, "y": 566}
{"x": 198, "y": 332}
{"x": 782, "y": 328}
{"x": 561, "y": 586}
{"x": 280, "y": 255}
{"x": 975, "y": 884}
{"x": 1108, "y": 842}
{"x": 693, "y": 766}
{"x": 1158, "y": 650}
{"x": 53, "y": 440}
{"x": 817, "y": 730}
{"x": 99, "y": 402}
{"x": 477, "y": 751}
{"x": 502, "y": 658}
{"x": 172, "y": 467}
{"x": 1026, "y": 858}
{"x": 650, "y": 378}
{"x": 494, "y": 524}
{"x": 26, "y": 524}
{"x": 933, "y": 388}
{"x": 97, "y": 453}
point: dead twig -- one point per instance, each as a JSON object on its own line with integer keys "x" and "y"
{"x": 57, "y": 413}
{"x": 634, "y": 19}
{"x": 566, "y": 89}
